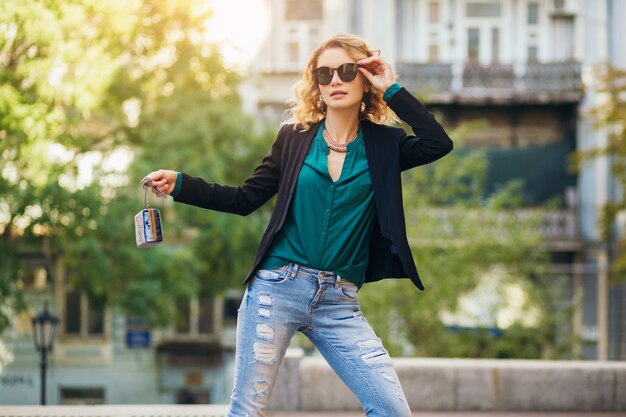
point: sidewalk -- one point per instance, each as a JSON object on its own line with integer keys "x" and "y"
{"x": 170, "y": 410}
{"x": 457, "y": 414}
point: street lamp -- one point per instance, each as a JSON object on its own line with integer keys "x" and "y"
{"x": 44, "y": 330}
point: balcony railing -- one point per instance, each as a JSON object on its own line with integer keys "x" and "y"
{"x": 531, "y": 82}
{"x": 492, "y": 76}
{"x": 558, "y": 225}
{"x": 557, "y": 228}
{"x": 557, "y": 77}
{"x": 426, "y": 77}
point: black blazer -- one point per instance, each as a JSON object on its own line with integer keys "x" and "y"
{"x": 389, "y": 151}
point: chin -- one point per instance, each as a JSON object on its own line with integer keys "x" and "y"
{"x": 345, "y": 106}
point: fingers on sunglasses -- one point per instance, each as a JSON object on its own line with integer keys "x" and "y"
{"x": 346, "y": 72}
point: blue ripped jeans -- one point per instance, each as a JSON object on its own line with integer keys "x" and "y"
{"x": 325, "y": 308}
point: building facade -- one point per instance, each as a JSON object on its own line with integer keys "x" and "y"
{"x": 525, "y": 68}
{"x": 102, "y": 356}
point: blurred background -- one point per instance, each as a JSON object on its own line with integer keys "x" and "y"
{"x": 517, "y": 234}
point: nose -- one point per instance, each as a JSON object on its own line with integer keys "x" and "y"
{"x": 335, "y": 79}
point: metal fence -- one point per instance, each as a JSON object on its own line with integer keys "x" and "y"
{"x": 553, "y": 81}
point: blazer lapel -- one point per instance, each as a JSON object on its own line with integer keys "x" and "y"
{"x": 376, "y": 154}
{"x": 297, "y": 147}
{"x": 372, "y": 149}
{"x": 303, "y": 145}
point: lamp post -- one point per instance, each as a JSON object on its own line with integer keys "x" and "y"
{"x": 44, "y": 330}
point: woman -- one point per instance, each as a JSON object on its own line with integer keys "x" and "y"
{"x": 338, "y": 222}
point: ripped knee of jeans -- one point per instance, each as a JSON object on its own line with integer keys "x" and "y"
{"x": 265, "y": 332}
{"x": 265, "y": 353}
{"x": 265, "y": 302}
{"x": 373, "y": 353}
{"x": 261, "y": 388}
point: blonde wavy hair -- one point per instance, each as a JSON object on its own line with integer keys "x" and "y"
{"x": 306, "y": 108}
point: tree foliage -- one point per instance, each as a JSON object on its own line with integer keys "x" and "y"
{"x": 611, "y": 116}
{"x": 93, "y": 95}
{"x": 460, "y": 237}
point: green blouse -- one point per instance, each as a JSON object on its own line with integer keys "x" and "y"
{"x": 329, "y": 224}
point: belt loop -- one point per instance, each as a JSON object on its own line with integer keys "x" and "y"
{"x": 294, "y": 270}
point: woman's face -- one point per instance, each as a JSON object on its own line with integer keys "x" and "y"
{"x": 339, "y": 94}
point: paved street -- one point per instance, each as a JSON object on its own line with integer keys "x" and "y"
{"x": 457, "y": 414}
{"x": 220, "y": 410}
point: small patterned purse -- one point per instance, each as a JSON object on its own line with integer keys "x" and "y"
{"x": 148, "y": 229}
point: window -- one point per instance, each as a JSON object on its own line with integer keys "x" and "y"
{"x": 563, "y": 38}
{"x": 293, "y": 52}
{"x": 532, "y": 53}
{"x": 33, "y": 277}
{"x": 433, "y": 12}
{"x": 95, "y": 321}
{"x": 81, "y": 396}
{"x": 433, "y": 53}
{"x": 82, "y": 318}
{"x": 72, "y": 313}
{"x": 495, "y": 44}
{"x": 533, "y": 13}
{"x": 232, "y": 302}
{"x": 314, "y": 34}
{"x": 205, "y": 316}
{"x": 299, "y": 39}
{"x": 473, "y": 40}
{"x": 195, "y": 317}
{"x": 183, "y": 316}
{"x": 303, "y": 10}
{"x": 483, "y": 9}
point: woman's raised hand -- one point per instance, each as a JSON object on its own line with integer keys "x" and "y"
{"x": 378, "y": 72}
{"x": 162, "y": 182}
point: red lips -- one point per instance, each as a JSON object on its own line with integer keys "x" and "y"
{"x": 337, "y": 92}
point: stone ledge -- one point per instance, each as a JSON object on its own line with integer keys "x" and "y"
{"x": 465, "y": 385}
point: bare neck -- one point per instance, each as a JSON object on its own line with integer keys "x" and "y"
{"x": 342, "y": 124}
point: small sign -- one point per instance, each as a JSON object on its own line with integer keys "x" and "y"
{"x": 138, "y": 339}
{"x": 194, "y": 378}
{"x": 137, "y": 334}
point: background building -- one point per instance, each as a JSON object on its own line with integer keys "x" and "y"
{"x": 525, "y": 67}
{"x": 102, "y": 356}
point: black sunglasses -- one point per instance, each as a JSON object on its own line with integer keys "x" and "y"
{"x": 346, "y": 72}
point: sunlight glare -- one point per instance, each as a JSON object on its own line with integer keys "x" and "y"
{"x": 239, "y": 27}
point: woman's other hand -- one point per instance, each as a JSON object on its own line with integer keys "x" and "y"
{"x": 162, "y": 182}
{"x": 378, "y": 72}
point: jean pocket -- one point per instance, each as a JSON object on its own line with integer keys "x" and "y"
{"x": 277, "y": 275}
{"x": 349, "y": 290}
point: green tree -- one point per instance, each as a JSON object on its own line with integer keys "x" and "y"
{"x": 460, "y": 237}
{"x": 611, "y": 116}
{"x": 98, "y": 84}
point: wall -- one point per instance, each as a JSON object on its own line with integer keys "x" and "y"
{"x": 465, "y": 385}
